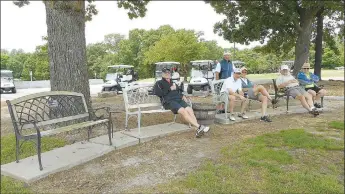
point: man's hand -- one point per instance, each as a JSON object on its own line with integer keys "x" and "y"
{"x": 173, "y": 87}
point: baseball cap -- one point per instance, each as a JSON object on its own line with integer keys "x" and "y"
{"x": 165, "y": 70}
{"x": 284, "y": 67}
{"x": 236, "y": 70}
{"x": 243, "y": 68}
{"x": 226, "y": 54}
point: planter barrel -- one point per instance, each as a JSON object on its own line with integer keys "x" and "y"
{"x": 205, "y": 113}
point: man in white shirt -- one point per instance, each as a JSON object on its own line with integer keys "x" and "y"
{"x": 233, "y": 86}
{"x": 286, "y": 80}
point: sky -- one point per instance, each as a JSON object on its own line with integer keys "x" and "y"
{"x": 24, "y": 27}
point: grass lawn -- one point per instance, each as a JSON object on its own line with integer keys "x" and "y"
{"x": 290, "y": 161}
{"x": 8, "y": 149}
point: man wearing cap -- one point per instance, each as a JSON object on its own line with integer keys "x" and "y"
{"x": 309, "y": 80}
{"x": 256, "y": 92}
{"x": 286, "y": 80}
{"x": 224, "y": 68}
{"x": 233, "y": 86}
{"x": 173, "y": 99}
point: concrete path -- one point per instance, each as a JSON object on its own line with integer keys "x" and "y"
{"x": 69, "y": 156}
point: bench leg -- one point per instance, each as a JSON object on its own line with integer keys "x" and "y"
{"x": 126, "y": 123}
{"x": 139, "y": 118}
{"x": 226, "y": 110}
{"x": 287, "y": 103}
{"x": 88, "y": 133}
{"x": 39, "y": 152}
{"x": 175, "y": 118}
{"x": 17, "y": 149}
{"x": 322, "y": 102}
{"x": 109, "y": 131}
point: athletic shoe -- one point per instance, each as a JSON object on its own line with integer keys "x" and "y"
{"x": 243, "y": 115}
{"x": 317, "y": 105}
{"x": 200, "y": 131}
{"x": 232, "y": 118}
{"x": 266, "y": 119}
{"x": 314, "y": 112}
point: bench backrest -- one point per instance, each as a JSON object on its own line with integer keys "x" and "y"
{"x": 47, "y": 108}
{"x": 216, "y": 87}
{"x": 140, "y": 97}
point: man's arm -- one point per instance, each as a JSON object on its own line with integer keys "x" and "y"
{"x": 158, "y": 90}
{"x": 281, "y": 85}
{"x": 217, "y": 71}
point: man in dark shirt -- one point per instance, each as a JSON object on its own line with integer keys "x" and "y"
{"x": 172, "y": 98}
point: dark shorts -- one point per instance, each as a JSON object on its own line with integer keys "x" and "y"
{"x": 315, "y": 88}
{"x": 175, "y": 105}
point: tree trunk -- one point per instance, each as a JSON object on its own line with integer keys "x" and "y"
{"x": 67, "y": 47}
{"x": 318, "y": 44}
{"x": 303, "y": 40}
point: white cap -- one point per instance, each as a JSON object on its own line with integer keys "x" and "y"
{"x": 243, "y": 68}
{"x": 226, "y": 54}
{"x": 284, "y": 67}
{"x": 237, "y": 70}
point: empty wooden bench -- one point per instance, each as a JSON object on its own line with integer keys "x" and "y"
{"x": 48, "y": 113}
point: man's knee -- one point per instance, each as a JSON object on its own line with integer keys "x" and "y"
{"x": 312, "y": 92}
{"x": 322, "y": 92}
{"x": 189, "y": 109}
{"x": 182, "y": 111}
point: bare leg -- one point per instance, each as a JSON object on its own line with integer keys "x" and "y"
{"x": 191, "y": 114}
{"x": 303, "y": 102}
{"x": 309, "y": 99}
{"x": 263, "y": 91}
{"x": 244, "y": 104}
{"x": 321, "y": 93}
{"x": 312, "y": 93}
{"x": 263, "y": 100}
{"x": 231, "y": 103}
{"x": 187, "y": 117}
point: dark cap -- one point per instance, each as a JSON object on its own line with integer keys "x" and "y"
{"x": 165, "y": 70}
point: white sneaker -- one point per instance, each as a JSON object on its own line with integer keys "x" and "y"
{"x": 232, "y": 118}
{"x": 206, "y": 129}
{"x": 243, "y": 116}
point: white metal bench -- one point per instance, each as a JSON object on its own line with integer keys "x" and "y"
{"x": 140, "y": 98}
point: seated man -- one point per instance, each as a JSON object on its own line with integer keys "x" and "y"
{"x": 256, "y": 92}
{"x": 286, "y": 80}
{"x": 309, "y": 80}
{"x": 173, "y": 99}
{"x": 233, "y": 86}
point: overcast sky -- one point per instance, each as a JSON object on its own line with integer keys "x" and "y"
{"x": 24, "y": 27}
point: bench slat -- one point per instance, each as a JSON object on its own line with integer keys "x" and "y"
{"x": 53, "y": 121}
{"x": 158, "y": 104}
{"x": 71, "y": 127}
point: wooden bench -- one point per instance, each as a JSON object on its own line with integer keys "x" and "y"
{"x": 48, "y": 113}
{"x": 140, "y": 100}
{"x": 283, "y": 93}
{"x": 219, "y": 97}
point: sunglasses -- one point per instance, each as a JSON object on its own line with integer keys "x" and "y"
{"x": 238, "y": 73}
{"x": 306, "y": 68}
{"x": 244, "y": 71}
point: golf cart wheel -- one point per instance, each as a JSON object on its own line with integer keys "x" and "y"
{"x": 114, "y": 89}
{"x": 14, "y": 90}
{"x": 206, "y": 88}
{"x": 2, "y": 91}
{"x": 189, "y": 90}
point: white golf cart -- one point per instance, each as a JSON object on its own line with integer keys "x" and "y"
{"x": 119, "y": 77}
{"x": 175, "y": 75}
{"x": 238, "y": 64}
{"x": 201, "y": 75}
{"x": 7, "y": 83}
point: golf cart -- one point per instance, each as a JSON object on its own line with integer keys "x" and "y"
{"x": 175, "y": 75}
{"x": 201, "y": 76}
{"x": 238, "y": 64}
{"x": 119, "y": 77}
{"x": 7, "y": 83}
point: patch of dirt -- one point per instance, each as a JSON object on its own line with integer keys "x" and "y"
{"x": 165, "y": 159}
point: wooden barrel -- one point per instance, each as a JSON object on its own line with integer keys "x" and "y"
{"x": 205, "y": 113}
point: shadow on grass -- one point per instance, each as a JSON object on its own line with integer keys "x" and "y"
{"x": 290, "y": 161}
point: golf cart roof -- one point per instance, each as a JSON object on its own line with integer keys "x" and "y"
{"x": 240, "y": 62}
{"x": 168, "y": 63}
{"x": 6, "y": 71}
{"x": 202, "y": 62}
{"x": 120, "y": 66}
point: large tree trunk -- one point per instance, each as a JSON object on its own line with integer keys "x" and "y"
{"x": 67, "y": 47}
{"x": 303, "y": 40}
{"x": 318, "y": 43}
